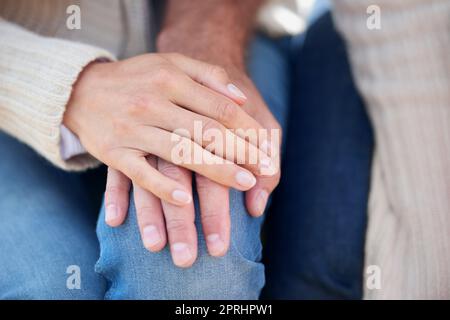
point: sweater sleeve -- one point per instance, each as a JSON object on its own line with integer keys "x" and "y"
{"x": 36, "y": 78}
{"x": 403, "y": 73}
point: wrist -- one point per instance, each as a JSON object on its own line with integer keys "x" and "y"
{"x": 74, "y": 108}
{"x": 221, "y": 38}
{"x": 225, "y": 53}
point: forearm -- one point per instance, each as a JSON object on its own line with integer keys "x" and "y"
{"x": 215, "y": 31}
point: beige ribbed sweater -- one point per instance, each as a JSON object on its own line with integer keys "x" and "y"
{"x": 402, "y": 71}
{"x": 37, "y": 73}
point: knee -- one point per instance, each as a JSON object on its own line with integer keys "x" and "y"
{"x": 153, "y": 276}
{"x": 135, "y": 273}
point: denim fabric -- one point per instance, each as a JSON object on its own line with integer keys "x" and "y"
{"x": 314, "y": 247}
{"x": 135, "y": 273}
{"x": 48, "y": 224}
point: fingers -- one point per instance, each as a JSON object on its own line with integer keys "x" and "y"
{"x": 215, "y": 215}
{"x": 116, "y": 197}
{"x": 211, "y": 104}
{"x": 186, "y": 153}
{"x": 209, "y": 92}
{"x": 136, "y": 167}
{"x": 214, "y": 137}
{"x": 210, "y": 95}
{"x": 256, "y": 198}
{"x": 180, "y": 224}
{"x": 150, "y": 216}
{"x": 213, "y": 77}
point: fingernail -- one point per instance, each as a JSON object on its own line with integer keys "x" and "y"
{"x": 151, "y": 236}
{"x": 245, "y": 179}
{"x": 261, "y": 201}
{"x": 111, "y": 212}
{"x": 181, "y": 254}
{"x": 216, "y": 246}
{"x": 181, "y": 196}
{"x": 235, "y": 91}
{"x": 266, "y": 167}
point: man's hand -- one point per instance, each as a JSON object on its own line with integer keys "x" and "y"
{"x": 222, "y": 30}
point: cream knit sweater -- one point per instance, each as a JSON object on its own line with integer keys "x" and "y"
{"x": 38, "y": 68}
{"x": 402, "y": 70}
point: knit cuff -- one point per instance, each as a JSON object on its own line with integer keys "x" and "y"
{"x": 36, "y": 76}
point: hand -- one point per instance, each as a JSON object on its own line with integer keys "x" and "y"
{"x": 160, "y": 222}
{"x": 256, "y": 197}
{"x": 221, "y": 39}
{"x": 155, "y": 218}
{"x": 124, "y": 111}
{"x": 222, "y": 42}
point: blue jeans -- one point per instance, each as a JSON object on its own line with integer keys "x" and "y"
{"x": 48, "y": 224}
{"x": 316, "y": 226}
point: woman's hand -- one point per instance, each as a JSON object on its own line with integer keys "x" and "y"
{"x": 160, "y": 222}
{"x": 125, "y": 111}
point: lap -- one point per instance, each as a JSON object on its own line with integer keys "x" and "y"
{"x": 46, "y": 226}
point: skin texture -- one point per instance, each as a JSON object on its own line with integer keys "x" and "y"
{"x": 222, "y": 29}
{"x": 140, "y": 102}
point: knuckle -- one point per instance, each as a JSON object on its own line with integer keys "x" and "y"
{"x": 144, "y": 210}
{"x": 211, "y": 217}
{"x": 138, "y": 176}
{"x": 211, "y": 220}
{"x": 217, "y": 72}
{"x": 162, "y": 77}
{"x": 177, "y": 225}
{"x": 226, "y": 112}
{"x": 171, "y": 171}
{"x": 213, "y": 131}
{"x": 186, "y": 144}
{"x": 138, "y": 105}
{"x": 115, "y": 192}
{"x": 120, "y": 128}
{"x": 202, "y": 183}
{"x": 116, "y": 189}
{"x": 183, "y": 151}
